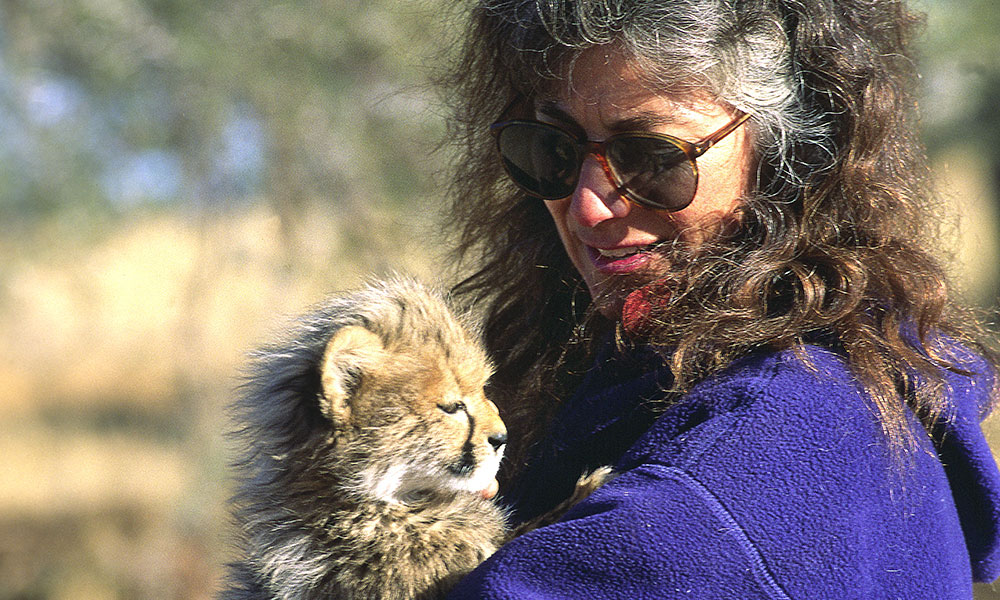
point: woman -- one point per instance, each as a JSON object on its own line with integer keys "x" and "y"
{"x": 706, "y": 251}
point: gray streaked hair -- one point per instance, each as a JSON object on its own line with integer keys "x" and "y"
{"x": 738, "y": 52}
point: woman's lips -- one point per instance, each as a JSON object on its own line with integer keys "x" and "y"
{"x": 615, "y": 261}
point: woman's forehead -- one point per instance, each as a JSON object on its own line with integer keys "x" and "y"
{"x": 642, "y": 115}
{"x": 628, "y": 111}
{"x": 603, "y": 80}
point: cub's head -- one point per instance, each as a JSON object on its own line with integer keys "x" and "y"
{"x": 402, "y": 389}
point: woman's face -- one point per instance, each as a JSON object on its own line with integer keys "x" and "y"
{"x": 607, "y": 237}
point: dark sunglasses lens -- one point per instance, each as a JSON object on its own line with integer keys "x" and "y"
{"x": 653, "y": 171}
{"x": 541, "y": 159}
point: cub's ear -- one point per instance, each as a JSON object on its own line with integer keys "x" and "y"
{"x": 351, "y": 352}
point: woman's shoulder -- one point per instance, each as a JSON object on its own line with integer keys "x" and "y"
{"x": 784, "y": 392}
{"x": 789, "y": 444}
{"x": 791, "y": 402}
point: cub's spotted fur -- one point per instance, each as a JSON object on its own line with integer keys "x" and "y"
{"x": 370, "y": 454}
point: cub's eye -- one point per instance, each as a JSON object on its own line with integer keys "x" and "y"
{"x": 452, "y": 407}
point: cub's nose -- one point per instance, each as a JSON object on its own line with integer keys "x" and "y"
{"x": 497, "y": 440}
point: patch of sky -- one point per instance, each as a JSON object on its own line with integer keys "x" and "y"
{"x": 50, "y": 100}
{"x": 20, "y": 149}
{"x": 239, "y": 160}
{"x": 49, "y": 124}
{"x": 11, "y": 129}
{"x": 146, "y": 176}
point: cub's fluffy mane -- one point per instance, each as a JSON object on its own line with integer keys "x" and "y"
{"x": 286, "y": 372}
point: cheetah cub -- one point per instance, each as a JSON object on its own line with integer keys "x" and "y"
{"x": 370, "y": 454}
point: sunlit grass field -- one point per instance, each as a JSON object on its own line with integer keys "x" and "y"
{"x": 124, "y": 347}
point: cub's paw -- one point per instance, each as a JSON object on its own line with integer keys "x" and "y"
{"x": 586, "y": 485}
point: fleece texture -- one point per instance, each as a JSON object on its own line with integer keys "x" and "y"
{"x": 771, "y": 480}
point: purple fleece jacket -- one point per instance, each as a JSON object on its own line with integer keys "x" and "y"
{"x": 770, "y": 480}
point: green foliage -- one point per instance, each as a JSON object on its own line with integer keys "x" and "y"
{"x": 961, "y": 65}
{"x": 115, "y": 102}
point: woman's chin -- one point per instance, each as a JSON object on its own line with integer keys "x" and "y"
{"x": 611, "y": 310}
{"x": 608, "y": 297}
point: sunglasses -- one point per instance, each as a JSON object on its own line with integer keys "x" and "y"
{"x": 653, "y": 170}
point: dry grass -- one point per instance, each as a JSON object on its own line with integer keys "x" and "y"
{"x": 124, "y": 347}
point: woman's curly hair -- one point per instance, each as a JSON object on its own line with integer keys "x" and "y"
{"x": 837, "y": 243}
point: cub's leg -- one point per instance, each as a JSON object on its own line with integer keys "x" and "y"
{"x": 586, "y": 485}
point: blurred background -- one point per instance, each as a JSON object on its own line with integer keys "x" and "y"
{"x": 178, "y": 176}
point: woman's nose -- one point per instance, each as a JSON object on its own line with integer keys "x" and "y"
{"x": 595, "y": 198}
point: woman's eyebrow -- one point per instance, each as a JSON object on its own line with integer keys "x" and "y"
{"x": 550, "y": 109}
{"x": 639, "y": 121}
{"x": 642, "y": 121}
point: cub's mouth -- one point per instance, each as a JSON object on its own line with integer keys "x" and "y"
{"x": 466, "y": 474}
{"x": 465, "y": 464}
